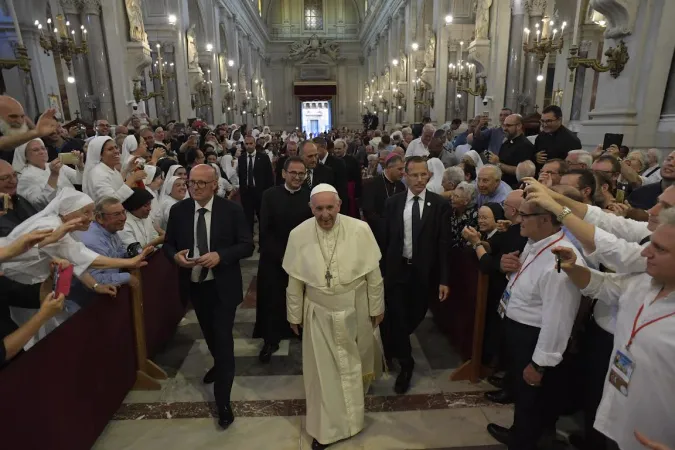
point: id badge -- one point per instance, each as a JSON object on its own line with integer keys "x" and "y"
{"x": 503, "y": 303}
{"x": 621, "y": 370}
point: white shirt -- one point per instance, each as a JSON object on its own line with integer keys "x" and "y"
{"x": 407, "y": 222}
{"x": 416, "y": 148}
{"x": 138, "y": 230}
{"x": 250, "y": 165}
{"x": 650, "y": 404}
{"x": 628, "y": 229}
{"x": 102, "y": 181}
{"x": 544, "y": 298}
{"x": 323, "y": 161}
{"x": 33, "y": 184}
{"x": 653, "y": 177}
{"x": 196, "y": 270}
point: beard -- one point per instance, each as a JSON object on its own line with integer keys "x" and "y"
{"x": 7, "y": 130}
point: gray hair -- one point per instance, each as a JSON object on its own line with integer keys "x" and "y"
{"x": 429, "y": 127}
{"x": 340, "y": 141}
{"x": 525, "y": 169}
{"x": 453, "y": 175}
{"x": 384, "y": 153}
{"x": 583, "y": 157}
{"x": 496, "y": 169}
{"x": 372, "y": 157}
{"x": 667, "y": 217}
{"x": 406, "y": 130}
{"x": 658, "y": 154}
{"x": 102, "y": 203}
{"x": 641, "y": 156}
{"x": 469, "y": 192}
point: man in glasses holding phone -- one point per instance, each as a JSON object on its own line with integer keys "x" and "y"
{"x": 283, "y": 208}
{"x": 555, "y": 141}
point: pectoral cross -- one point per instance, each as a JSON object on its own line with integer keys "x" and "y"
{"x": 328, "y": 277}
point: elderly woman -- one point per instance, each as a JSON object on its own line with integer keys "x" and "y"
{"x": 173, "y": 191}
{"x": 153, "y": 184}
{"x": 101, "y": 177}
{"x": 371, "y": 170}
{"x": 436, "y": 169}
{"x": 464, "y": 212}
{"x": 229, "y": 165}
{"x": 39, "y": 181}
{"x": 452, "y": 176}
{"x": 75, "y": 210}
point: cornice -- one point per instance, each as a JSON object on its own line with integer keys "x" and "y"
{"x": 377, "y": 20}
{"x": 246, "y": 17}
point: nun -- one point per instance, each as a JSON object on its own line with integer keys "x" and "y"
{"x": 40, "y": 181}
{"x": 173, "y": 191}
{"x": 139, "y": 227}
{"x": 101, "y": 176}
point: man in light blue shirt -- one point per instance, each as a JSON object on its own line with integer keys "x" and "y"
{"x": 490, "y": 139}
{"x": 490, "y": 186}
{"x": 102, "y": 238}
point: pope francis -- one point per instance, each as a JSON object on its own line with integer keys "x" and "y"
{"x": 335, "y": 293}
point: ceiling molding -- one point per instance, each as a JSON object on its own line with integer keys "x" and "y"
{"x": 249, "y": 19}
{"x": 377, "y": 19}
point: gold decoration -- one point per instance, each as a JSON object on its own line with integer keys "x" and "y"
{"x": 617, "y": 58}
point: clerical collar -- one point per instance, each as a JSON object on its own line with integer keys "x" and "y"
{"x": 292, "y": 191}
{"x": 515, "y": 138}
{"x": 384, "y": 174}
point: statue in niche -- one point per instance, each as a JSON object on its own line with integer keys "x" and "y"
{"x": 430, "y": 50}
{"x": 314, "y": 48}
{"x": 482, "y": 8}
{"x": 242, "y": 79}
{"x": 385, "y": 80}
{"x": 366, "y": 91}
{"x": 192, "y": 52}
{"x": 403, "y": 67}
{"x": 135, "y": 16}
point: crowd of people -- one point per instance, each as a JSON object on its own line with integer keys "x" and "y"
{"x": 355, "y": 229}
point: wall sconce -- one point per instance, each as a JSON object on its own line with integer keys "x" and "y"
{"x": 617, "y": 58}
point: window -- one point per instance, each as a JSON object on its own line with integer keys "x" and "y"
{"x": 313, "y": 14}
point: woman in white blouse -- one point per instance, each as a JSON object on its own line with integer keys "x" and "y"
{"x": 224, "y": 186}
{"x": 229, "y": 166}
{"x": 40, "y": 181}
{"x": 101, "y": 178}
{"x": 174, "y": 190}
{"x": 153, "y": 183}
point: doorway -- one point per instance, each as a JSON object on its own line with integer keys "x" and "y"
{"x": 316, "y": 116}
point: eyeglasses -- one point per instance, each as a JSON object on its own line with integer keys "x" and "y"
{"x": 547, "y": 121}
{"x": 116, "y": 215}
{"x": 200, "y": 184}
{"x": 11, "y": 176}
{"x": 550, "y": 172}
{"x": 297, "y": 174}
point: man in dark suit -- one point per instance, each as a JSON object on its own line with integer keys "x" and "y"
{"x": 415, "y": 263}
{"x": 316, "y": 173}
{"x": 207, "y": 236}
{"x": 377, "y": 190}
{"x": 339, "y": 170}
{"x": 255, "y": 176}
{"x": 354, "y": 187}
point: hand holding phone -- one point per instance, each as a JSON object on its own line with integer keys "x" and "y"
{"x": 62, "y": 280}
{"x": 69, "y": 158}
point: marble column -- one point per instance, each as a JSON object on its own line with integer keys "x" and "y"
{"x": 530, "y": 85}
{"x": 515, "y": 53}
{"x": 80, "y": 69}
{"x": 98, "y": 59}
{"x": 171, "y": 87}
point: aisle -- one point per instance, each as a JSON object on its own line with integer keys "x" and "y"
{"x": 269, "y": 406}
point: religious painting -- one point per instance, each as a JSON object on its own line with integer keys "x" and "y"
{"x": 55, "y": 103}
{"x": 135, "y": 16}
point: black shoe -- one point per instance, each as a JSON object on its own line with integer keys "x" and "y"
{"x": 501, "y": 396}
{"x": 225, "y": 417}
{"x": 317, "y": 446}
{"x": 266, "y": 352}
{"x": 500, "y": 433}
{"x": 403, "y": 381}
{"x": 210, "y": 376}
{"x": 496, "y": 381}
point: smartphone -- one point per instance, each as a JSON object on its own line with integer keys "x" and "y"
{"x": 68, "y": 158}
{"x": 62, "y": 280}
{"x": 191, "y": 255}
{"x": 612, "y": 139}
{"x": 558, "y": 262}
{"x": 4, "y": 204}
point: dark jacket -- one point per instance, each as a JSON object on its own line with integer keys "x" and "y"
{"x": 21, "y": 210}
{"x": 339, "y": 169}
{"x": 262, "y": 173}
{"x": 557, "y": 144}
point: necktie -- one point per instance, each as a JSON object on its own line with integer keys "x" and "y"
{"x": 202, "y": 241}
{"x": 249, "y": 182}
{"x": 309, "y": 178}
{"x": 416, "y": 221}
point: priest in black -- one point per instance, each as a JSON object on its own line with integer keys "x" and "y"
{"x": 514, "y": 150}
{"x": 555, "y": 141}
{"x": 339, "y": 170}
{"x": 255, "y": 176}
{"x": 377, "y": 190}
{"x": 354, "y": 188}
{"x": 283, "y": 208}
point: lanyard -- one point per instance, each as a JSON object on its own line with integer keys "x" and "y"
{"x": 533, "y": 259}
{"x": 646, "y": 324}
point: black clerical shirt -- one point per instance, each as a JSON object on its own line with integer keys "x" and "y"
{"x": 513, "y": 152}
{"x": 557, "y": 144}
{"x": 21, "y": 210}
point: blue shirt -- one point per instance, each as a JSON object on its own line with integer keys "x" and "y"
{"x": 460, "y": 139}
{"x": 99, "y": 240}
{"x": 499, "y": 196}
{"x": 490, "y": 139}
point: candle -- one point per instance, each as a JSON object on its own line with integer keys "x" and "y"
{"x": 159, "y": 59}
{"x": 527, "y": 35}
{"x": 554, "y": 33}
{"x": 538, "y": 34}
{"x": 10, "y": 6}
{"x": 575, "y": 32}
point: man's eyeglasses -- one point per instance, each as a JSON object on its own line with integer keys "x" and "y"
{"x": 116, "y": 215}
{"x": 200, "y": 184}
{"x": 550, "y": 172}
{"x": 297, "y": 174}
{"x": 11, "y": 176}
{"x": 547, "y": 121}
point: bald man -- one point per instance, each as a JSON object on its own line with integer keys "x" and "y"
{"x": 19, "y": 209}
{"x": 17, "y": 129}
{"x": 515, "y": 149}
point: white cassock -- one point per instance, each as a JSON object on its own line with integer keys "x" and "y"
{"x": 138, "y": 230}
{"x": 340, "y": 350}
{"x": 33, "y": 184}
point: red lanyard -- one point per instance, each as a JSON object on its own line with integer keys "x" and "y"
{"x": 646, "y": 324}
{"x": 533, "y": 259}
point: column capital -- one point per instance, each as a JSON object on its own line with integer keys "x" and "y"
{"x": 518, "y": 7}
{"x": 71, "y": 6}
{"x": 536, "y": 8}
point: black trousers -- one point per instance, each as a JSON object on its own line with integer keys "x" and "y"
{"x": 406, "y": 301}
{"x": 251, "y": 200}
{"x": 216, "y": 319}
{"x": 270, "y": 319}
{"x": 596, "y": 354}
{"x": 537, "y": 407}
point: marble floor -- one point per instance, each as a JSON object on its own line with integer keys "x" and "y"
{"x": 268, "y": 400}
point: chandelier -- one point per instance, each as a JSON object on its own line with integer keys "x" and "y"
{"x": 60, "y": 38}
{"x": 544, "y": 42}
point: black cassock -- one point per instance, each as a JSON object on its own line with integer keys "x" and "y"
{"x": 280, "y": 212}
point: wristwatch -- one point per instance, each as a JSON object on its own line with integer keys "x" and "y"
{"x": 537, "y": 367}
{"x": 476, "y": 245}
{"x": 94, "y": 287}
{"x": 564, "y": 213}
